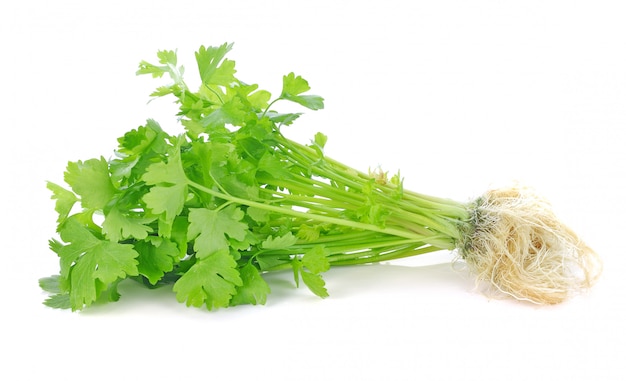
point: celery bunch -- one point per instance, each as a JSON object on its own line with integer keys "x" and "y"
{"x": 231, "y": 198}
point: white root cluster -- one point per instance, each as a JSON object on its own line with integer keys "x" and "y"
{"x": 519, "y": 247}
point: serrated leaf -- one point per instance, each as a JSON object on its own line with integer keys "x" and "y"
{"x": 315, "y": 283}
{"x": 294, "y": 86}
{"x": 167, "y": 57}
{"x": 145, "y": 139}
{"x": 51, "y": 284}
{"x": 148, "y": 68}
{"x": 61, "y": 301}
{"x": 320, "y": 139}
{"x": 118, "y": 226}
{"x": 170, "y": 172}
{"x": 178, "y": 234}
{"x": 209, "y": 60}
{"x": 162, "y": 91}
{"x": 92, "y": 264}
{"x": 316, "y": 260}
{"x": 267, "y": 262}
{"x": 91, "y": 181}
{"x": 65, "y": 201}
{"x": 254, "y": 288}
{"x": 308, "y": 232}
{"x": 167, "y": 196}
{"x": 166, "y": 200}
{"x": 157, "y": 256}
{"x": 258, "y": 215}
{"x": 259, "y": 99}
{"x": 211, "y": 228}
{"x": 284, "y": 119}
{"x": 273, "y": 166}
{"x": 278, "y": 243}
{"x": 233, "y": 112}
{"x": 319, "y": 142}
{"x": 212, "y": 280}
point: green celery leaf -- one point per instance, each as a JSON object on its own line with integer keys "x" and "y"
{"x": 258, "y": 215}
{"x": 166, "y": 200}
{"x": 270, "y": 261}
{"x": 93, "y": 264}
{"x": 278, "y": 243}
{"x": 157, "y": 256}
{"x": 309, "y": 233}
{"x": 271, "y": 165}
{"x": 238, "y": 246}
{"x": 108, "y": 292}
{"x": 65, "y": 201}
{"x": 232, "y": 112}
{"x": 294, "y": 86}
{"x": 373, "y": 212}
{"x": 210, "y": 229}
{"x": 61, "y": 301}
{"x": 254, "y": 288}
{"x": 138, "y": 149}
{"x": 178, "y": 234}
{"x": 148, "y": 68}
{"x": 168, "y": 60}
{"x": 170, "y": 172}
{"x": 309, "y": 267}
{"x": 212, "y": 280}
{"x": 167, "y": 57}
{"x": 316, "y": 260}
{"x": 258, "y": 99}
{"x": 238, "y": 185}
{"x": 167, "y": 196}
{"x": 284, "y": 119}
{"x": 319, "y": 142}
{"x": 162, "y": 91}
{"x": 213, "y": 68}
{"x": 320, "y": 139}
{"x": 118, "y": 226}
{"x": 51, "y": 284}
{"x": 91, "y": 181}
{"x": 55, "y": 245}
{"x": 207, "y": 160}
{"x": 315, "y": 283}
{"x": 194, "y": 108}
{"x": 253, "y": 99}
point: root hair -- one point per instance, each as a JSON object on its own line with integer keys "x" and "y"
{"x": 518, "y": 246}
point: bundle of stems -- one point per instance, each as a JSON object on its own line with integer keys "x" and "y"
{"x": 213, "y": 209}
{"x": 509, "y": 237}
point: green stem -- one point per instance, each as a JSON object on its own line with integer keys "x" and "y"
{"x": 332, "y": 201}
{"x": 348, "y": 174}
{"x": 310, "y": 216}
{"x": 386, "y": 253}
{"x": 401, "y": 252}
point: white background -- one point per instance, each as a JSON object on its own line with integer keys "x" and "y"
{"x": 458, "y": 95}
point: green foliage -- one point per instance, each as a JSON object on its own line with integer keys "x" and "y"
{"x": 91, "y": 264}
{"x": 157, "y": 257}
{"x": 91, "y": 181}
{"x": 293, "y": 87}
{"x": 212, "y": 229}
{"x": 309, "y": 267}
{"x": 211, "y": 210}
{"x": 65, "y": 201}
{"x": 253, "y": 290}
{"x": 212, "y": 280}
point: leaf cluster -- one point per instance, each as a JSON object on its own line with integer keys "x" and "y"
{"x": 138, "y": 216}
{"x": 210, "y": 210}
